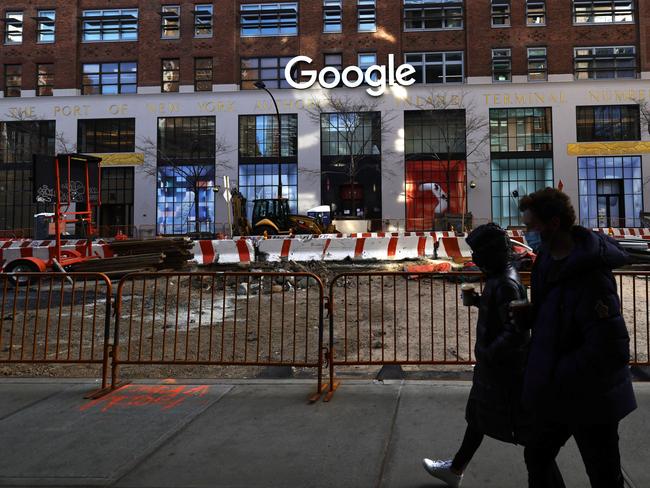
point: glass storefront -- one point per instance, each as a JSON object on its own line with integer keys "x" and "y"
{"x": 611, "y": 191}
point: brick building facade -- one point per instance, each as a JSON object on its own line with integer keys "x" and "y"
{"x": 145, "y": 65}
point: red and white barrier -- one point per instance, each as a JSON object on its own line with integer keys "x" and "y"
{"x": 223, "y": 251}
{"x": 46, "y": 253}
{"x": 623, "y": 232}
{"x": 453, "y": 248}
{"x": 339, "y": 249}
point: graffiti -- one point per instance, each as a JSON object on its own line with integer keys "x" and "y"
{"x": 45, "y": 194}
{"x": 137, "y": 396}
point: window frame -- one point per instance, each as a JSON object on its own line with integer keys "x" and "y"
{"x": 505, "y": 15}
{"x": 167, "y": 12}
{"x": 607, "y": 119}
{"x": 444, "y": 6}
{"x": 121, "y": 18}
{"x": 444, "y": 63}
{"x": 13, "y": 88}
{"x": 257, "y": 9}
{"x": 332, "y": 9}
{"x": 18, "y": 24}
{"x": 174, "y": 71}
{"x": 594, "y": 13}
{"x": 101, "y": 73}
{"x": 506, "y": 59}
{"x": 271, "y": 83}
{"x": 45, "y": 27}
{"x": 46, "y": 86}
{"x": 200, "y": 16}
{"x": 544, "y": 13}
{"x": 366, "y": 8}
{"x": 593, "y": 57}
{"x": 102, "y": 129}
{"x": 538, "y": 59}
{"x": 198, "y": 69}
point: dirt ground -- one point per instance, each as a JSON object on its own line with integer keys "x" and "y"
{"x": 237, "y": 320}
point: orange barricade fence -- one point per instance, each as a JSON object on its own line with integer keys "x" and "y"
{"x": 634, "y": 292}
{"x": 55, "y": 318}
{"x": 243, "y": 319}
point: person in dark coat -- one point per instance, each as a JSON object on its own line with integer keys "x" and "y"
{"x": 577, "y": 380}
{"x": 501, "y": 347}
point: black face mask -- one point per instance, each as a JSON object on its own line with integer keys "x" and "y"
{"x": 491, "y": 259}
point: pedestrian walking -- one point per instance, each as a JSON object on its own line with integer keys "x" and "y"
{"x": 577, "y": 381}
{"x": 501, "y": 347}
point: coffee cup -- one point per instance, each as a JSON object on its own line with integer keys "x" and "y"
{"x": 468, "y": 293}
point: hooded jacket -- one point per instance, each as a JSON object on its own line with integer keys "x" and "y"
{"x": 577, "y": 371}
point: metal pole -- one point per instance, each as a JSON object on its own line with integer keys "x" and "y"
{"x": 277, "y": 113}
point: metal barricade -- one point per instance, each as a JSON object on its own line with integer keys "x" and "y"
{"x": 400, "y": 318}
{"x": 243, "y": 319}
{"x": 55, "y": 318}
{"x": 634, "y": 292}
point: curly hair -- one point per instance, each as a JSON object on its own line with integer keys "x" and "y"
{"x": 548, "y": 203}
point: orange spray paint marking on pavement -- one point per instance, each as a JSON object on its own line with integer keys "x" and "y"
{"x": 138, "y": 396}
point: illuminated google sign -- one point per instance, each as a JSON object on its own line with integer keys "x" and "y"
{"x": 376, "y": 77}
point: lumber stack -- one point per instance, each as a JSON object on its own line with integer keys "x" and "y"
{"x": 119, "y": 264}
{"x": 175, "y": 252}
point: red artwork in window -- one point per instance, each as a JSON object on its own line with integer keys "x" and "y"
{"x": 433, "y": 189}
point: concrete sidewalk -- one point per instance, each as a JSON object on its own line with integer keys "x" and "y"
{"x": 263, "y": 433}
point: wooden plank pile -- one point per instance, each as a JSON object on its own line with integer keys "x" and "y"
{"x": 139, "y": 255}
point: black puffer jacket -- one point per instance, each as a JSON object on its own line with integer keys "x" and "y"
{"x": 501, "y": 349}
{"x": 577, "y": 369}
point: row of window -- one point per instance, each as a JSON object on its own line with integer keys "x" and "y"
{"x": 605, "y": 62}
{"x": 281, "y": 18}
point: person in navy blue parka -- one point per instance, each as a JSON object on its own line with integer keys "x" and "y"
{"x": 577, "y": 381}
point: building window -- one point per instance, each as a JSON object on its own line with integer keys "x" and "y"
{"x": 366, "y": 16}
{"x": 605, "y": 62}
{"x": 535, "y": 12}
{"x": 202, "y": 74}
{"x": 537, "y": 64}
{"x": 333, "y": 61}
{"x": 170, "y": 21}
{"x": 170, "y": 75}
{"x": 109, "y": 78}
{"x": 203, "y": 20}
{"x": 512, "y": 178}
{"x": 500, "y": 13}
{"x": 603, "y": 11}
{"x": 521, "y": 149}
{"x": 520, "y": 130}
{"x": 332, "y": 16}
{"x": 501, "y": 65}
{"x": 437, "y": 67}
{"x": 13, "y": 27}
{"x": 258, "y": 136}
{"x": 269, "y": 19}
{"x": 46, "y": 26}
{"x": 186, "y": 174}
{"x": 116, "y": 211}
{"x": 259, "y": 171}
{"x": 608, "y": 123}
{"x": 44, "y": 80}
{"x": 268, "y": 70}
{"x": 19, "y": 141}
{"x": 110, "y": 25}
{"x": 351, "y": 163}
{"x": 433, "y": 15}
{"x": 106, "y": 135}
{"x": 13, "y": 80}
{"x": 610, "y": 191}
{"x": 435, "y": 151}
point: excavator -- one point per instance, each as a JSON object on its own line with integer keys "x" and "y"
{"x": 271, "y": 216}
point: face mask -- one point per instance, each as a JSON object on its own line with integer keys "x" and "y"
{"x": 533, "y": 239}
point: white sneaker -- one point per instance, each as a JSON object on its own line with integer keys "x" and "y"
{"x": 442, "y": 470}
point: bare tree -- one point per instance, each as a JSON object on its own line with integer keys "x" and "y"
{"x": 469, "y": 138}
{"x": 348, "y": 120}
{"x": 62, "y": 144}
{"x": 195, "y": 175}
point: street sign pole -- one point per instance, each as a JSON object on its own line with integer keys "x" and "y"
{"x": 228, "y": 198}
